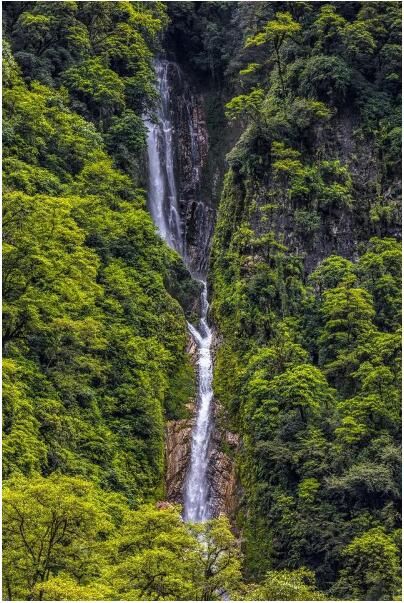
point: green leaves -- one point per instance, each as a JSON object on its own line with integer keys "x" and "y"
{"x": 155, "y": 557}
{"x": 329, "y": 26}
{"x": 103, "y": 57}
{"x": 371, "y": 567}
{"x": 246, "y": 105}
{"x": 275, "y": 31}
{"x": 94, "y": 341}
{"x": 219, "y": 559}
{"x": 126, "y": 138}
{"x": 308, "y": 450}
{"x": 302, "y": 388}
{"x": 59, "y": 522}
{"x": 287, "y": 585}
{"x": 100, "y": 87}
{"x": 332, "y": 272}
{"x": 23, "y": 449}
{"x": 380, "y": 271}
{"x": 326, "y": 78}
{"x": 65, "y": 537}
{"x": 295, "y": 193}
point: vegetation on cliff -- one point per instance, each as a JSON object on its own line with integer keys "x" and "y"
{"x": 306, "y": 275}
{"x": 306, "y": 298}
{"x": 93, "y": 343}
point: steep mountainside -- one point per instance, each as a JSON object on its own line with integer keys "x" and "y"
{"x": 306, "y": 293}
{"x": 285, "y": 137}
{"x": 92, "y": 337}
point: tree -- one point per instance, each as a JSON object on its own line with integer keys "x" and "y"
{"x": 100, "y": 88}
{"x": 246, "y": 105}
{"x": 48, "y": 38}
{"x": 371, "y": 567}
{"x": 379, "y": 270}
{"x": 23, "y": 449}
{"x": 286, "y": 585}
{"x": 126, "y": 139}
{"x": 332, "y": 272}
{"x": 275, "y": 33}
{"x": 220, "y": 559}
{"x": 95, "y": 343}
{"x": 348, "y": 314}
{"x": 53, "y": 525}
{"x": 63, "y": 587}
{"x": 47, "y": 265}
{"x": 326, "y": 78}
{"x": 155, "y": 557}
{"x": 302, "y": 388}
{"x": 329, "y": 27}
{"x": 359, "y": 41}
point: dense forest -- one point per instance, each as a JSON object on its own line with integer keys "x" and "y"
{"x": 304, "y": 119}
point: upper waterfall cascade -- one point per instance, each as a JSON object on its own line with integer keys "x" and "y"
{"x": 163, "y": 197}
{"x": 164, "y": 208}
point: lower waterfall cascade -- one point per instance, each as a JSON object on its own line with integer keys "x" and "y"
{"x": 196, "y": 497}
{"x": 164, "y": 208}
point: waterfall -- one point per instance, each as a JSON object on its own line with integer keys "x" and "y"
{"x": 196, "y": 496}
{"x": 163, "y": 201}
{"x": 164, "y": 209}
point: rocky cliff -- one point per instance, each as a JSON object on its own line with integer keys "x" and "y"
{"x": 191, "y": 143}
{"x": 222, "y": 469}
{"x": 357, "y": 200}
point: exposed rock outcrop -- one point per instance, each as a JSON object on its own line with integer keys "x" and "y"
{"x": 222, "y": 473}
{"x": 178, "y": 453}
{"x": 222, "y": 470}
{"x": 191, "y": 143}
{"x": 314, "y": 232}
{"x": 178, "y": 444}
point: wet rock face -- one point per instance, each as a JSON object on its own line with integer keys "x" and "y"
{"x": 334, "y": 229}
{"x": 178, "y": 454}
{"x": 223, "y": 494}
{"x": 191, "y": 154}
{"x": 197, "y": 185}
{"x": 222, "y": 474}
{"x": 178, "y": 445}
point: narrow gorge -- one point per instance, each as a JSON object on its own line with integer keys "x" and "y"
{"x": 179, "y": 136}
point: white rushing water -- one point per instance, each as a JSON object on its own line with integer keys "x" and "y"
{"x": 163, "y": 205}
{"x": 196, "y": 496}
{"x": 163, "y": 201}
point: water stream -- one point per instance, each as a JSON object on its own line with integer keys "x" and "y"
{"x": 196, "y": 495}
{"x": 164, "y": 209}
{"x": 163, "y": 201}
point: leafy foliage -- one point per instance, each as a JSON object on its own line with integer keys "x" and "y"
{"x": 306, "y": 296}
{"x": 93, "y": 341}
{"x": 65, "y": 537}
{"x": 297, "y": 585}
{"x": 307, "y": 289}
{"x": 102, "y": 54}
{"x": 309, "y": 374}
